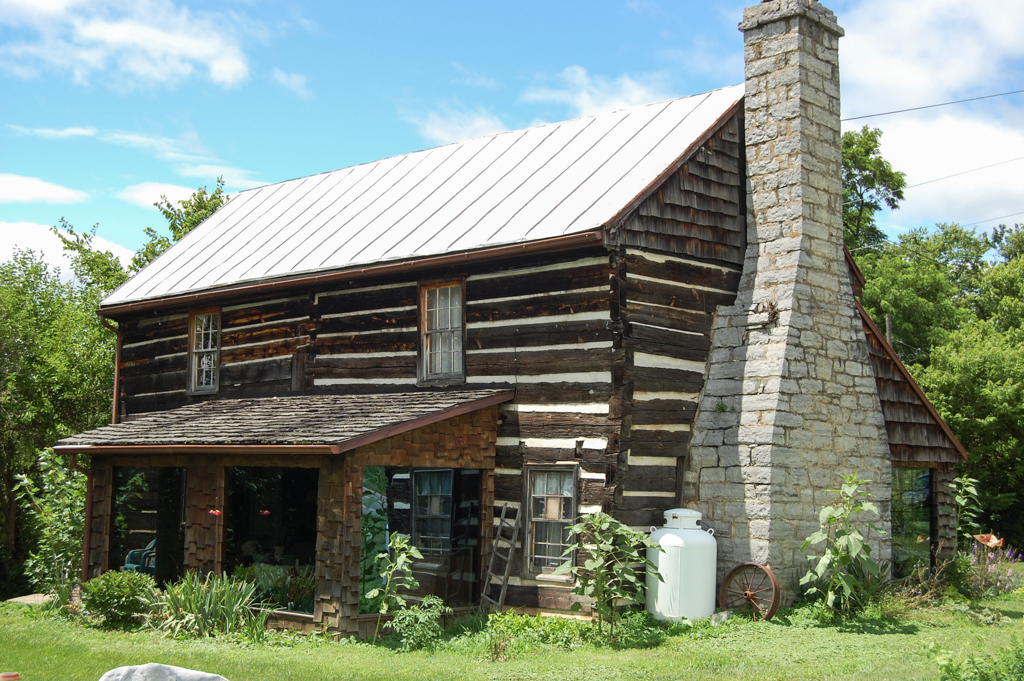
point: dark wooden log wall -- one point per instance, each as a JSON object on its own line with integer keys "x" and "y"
{"x": 258, "y": 348}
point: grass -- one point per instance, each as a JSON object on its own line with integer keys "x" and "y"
{"x": 789, "y": 647}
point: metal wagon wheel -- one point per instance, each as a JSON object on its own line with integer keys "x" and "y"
{"x": 752, "y": 588}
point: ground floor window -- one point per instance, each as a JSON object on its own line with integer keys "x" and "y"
{"x": 148, "y": 533}
{"x": 270, "y": 532}
{"x": 551, "y": 499}
{"x": 440, "y": 510}
{"x": 913, "y": 519}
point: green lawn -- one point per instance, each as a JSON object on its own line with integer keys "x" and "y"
{"x": 785, "y": 648}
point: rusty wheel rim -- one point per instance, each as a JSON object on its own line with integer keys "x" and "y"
{"x": 752, "y": 589}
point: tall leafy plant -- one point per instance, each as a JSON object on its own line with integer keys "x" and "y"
{"x": 55, "y": 503}
{"x": 395, "y": 572}
{"x": 610, "y": 554}
{"x": 844, "y": 573}
{"x": 965, "y": 493}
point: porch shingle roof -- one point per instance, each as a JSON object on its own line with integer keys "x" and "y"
{"x": 340, "y": 421}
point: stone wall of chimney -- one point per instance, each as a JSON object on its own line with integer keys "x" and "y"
{"x": 790, "y": 401}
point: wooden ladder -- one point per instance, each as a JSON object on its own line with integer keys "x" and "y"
{"x": 501, "y": 536}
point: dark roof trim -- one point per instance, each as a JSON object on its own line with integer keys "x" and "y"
{"x": 852, "y": 264}
{"x": 680, "y": 161}
{"x": 198, "y": 449}
{"x": 322, "y": 449}
{"x": 877, "y": 333}
{"x": 559, "y": 243}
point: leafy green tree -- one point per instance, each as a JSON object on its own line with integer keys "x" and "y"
{"x": 869, "y": 183}
{"x": 930, "y": 282}
{"x": 976, "y": 381}
{"x": 180, "y": 221}
{"x": 56, "y": 368}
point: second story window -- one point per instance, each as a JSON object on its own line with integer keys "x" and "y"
{"x": 204, "y": 344}
{"x": 441, "y": 307}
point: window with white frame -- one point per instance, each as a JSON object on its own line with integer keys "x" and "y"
{"x": 432, "y": 512}
{"x": 205, "y": 351}
{"x": 442, "y": 331}
{"x": 552, "y": 510}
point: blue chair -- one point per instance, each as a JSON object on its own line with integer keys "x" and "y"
{"x": 142, "y": 560}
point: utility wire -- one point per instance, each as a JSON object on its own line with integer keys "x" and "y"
{"x": 993, "y": 165}
{"x": 991, "y": 219}
{"x": 931, "y": 106}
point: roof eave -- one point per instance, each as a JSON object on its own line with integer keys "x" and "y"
{"x": 297, "y": 449}
{"x": 594, "y": 237}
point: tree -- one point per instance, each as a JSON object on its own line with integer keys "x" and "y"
{"x": 57, "y": 365}
{"x": 930, "y": 282}
{"x": 869, "y": 182}
{"x": 180, "y": 221}
{"x": 976, "y": 381}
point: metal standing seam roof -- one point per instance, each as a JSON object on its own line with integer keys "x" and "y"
{"x": 346, "y": 421}
{"x": 512, "y": 187}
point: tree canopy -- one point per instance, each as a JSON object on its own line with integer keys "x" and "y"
{"x": 869, "y": 183}
{"x": 57, "y": 361}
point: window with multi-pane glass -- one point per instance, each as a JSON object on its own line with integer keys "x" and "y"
{"x": 205, "y": 346}
{"x": 432, "y": 512}
{"x": 442, "y": 332}
{"x": 552, "y": 511}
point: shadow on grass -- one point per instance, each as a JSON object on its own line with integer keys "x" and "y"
{"x": 881, "y": 626}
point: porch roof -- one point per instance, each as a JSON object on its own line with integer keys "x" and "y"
{"x": 326, "y": 424}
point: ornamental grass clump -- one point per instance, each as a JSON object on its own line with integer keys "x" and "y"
{"x": 197, "y": 607}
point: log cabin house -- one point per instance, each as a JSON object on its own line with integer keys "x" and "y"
{"x": 529, "y": 319}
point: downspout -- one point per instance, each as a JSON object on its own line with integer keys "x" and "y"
{"x": 87, "y": 539}
{"x": 117, "y": 366}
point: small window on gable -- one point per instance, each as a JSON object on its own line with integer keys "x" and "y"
{"x": 551, "y": 496}
{"x": 204, "y": 351}
{"x": 441, "y": 325}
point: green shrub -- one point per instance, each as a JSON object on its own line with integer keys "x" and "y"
{"x": 118, "y": 597}
{"x": 639, "y": 629}
{"x": 419, "y": 626}
{"x": 197, "y": 607}
{"x": 1006, "y": 665}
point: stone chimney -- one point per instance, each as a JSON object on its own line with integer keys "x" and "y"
{"x": 790, "y": 401}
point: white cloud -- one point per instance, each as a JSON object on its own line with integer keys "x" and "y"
{"x": 50, "y": 133}
{"x": 145, "y": 194}
{"x": 586, "y": 95}
{"x": 140, "y": 42}
{"x": 455, "y": 123}
{"x": 234, "y": 178}
{"x": 296, "y": 82}
{"x": 915, "y": 147}
{"x": 467, "y": 77}
{"x": 903, "y": 53}
{"x": 41, "y": 239}
{"x": 23, "y": 189}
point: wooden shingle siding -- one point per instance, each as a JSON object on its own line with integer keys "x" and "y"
{"x": 915, "y": 436}
{"x": 700, "y": 209}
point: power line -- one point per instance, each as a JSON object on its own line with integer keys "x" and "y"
{"x": 931, "y": 106}
{"x": 993, "y": 165}
{"x": 991, "y": 219}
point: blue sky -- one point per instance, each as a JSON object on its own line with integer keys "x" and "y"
{"x": 106, "y": 104}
